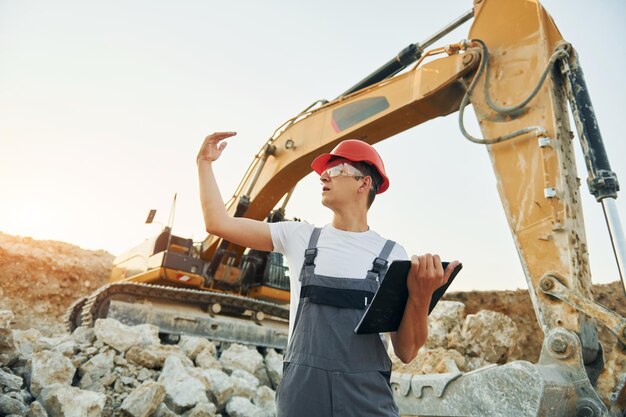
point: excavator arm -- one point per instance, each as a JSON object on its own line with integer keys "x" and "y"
{"x": 371, "y": 114}
{"x": 519, "y": 75}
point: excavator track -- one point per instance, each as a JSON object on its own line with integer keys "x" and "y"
{"x": 136, "y": 303}
{"x": 71, "y": 318}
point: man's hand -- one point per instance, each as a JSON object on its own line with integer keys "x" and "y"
{"x": 426, "y": 275}
{"x": 211, "y": 148}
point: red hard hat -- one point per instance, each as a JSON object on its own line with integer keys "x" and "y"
{"x": 356, "y": 151}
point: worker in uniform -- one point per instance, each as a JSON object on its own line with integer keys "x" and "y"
{"x": 328, "y": 369}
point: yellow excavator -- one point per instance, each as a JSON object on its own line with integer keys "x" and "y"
{"x": 520, "y": 77}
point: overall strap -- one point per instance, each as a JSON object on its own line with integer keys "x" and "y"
{"x": 310, "y": 253}
{"x": 379, "y": 266}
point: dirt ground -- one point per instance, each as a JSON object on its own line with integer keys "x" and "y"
{"x": 40, "y": 279}
{"x": 517, "y": 305}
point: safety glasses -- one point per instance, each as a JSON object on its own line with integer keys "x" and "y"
{"x": 344, "y": 169}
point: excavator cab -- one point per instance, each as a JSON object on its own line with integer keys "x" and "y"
{"x": 164, "y": 259}
{"x": 257, "y": 274}
{"x": 265, "y": 276}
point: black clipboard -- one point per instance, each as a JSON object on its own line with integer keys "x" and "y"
{"x": 387, "y": 307}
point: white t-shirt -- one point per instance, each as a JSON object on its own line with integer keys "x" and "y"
{"x": 340, "y": 254}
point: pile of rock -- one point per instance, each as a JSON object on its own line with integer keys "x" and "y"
{"x": 459, "y": 342}
{"x": 116, "y": 370}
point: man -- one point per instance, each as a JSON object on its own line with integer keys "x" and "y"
{"x": 329, "y": 370}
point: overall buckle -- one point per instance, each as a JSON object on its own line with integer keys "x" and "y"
{"x": 309, "y": 256}
{"x": 380, "y": 265}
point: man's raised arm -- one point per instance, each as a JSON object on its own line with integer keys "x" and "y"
{"x": 239, "y": 230}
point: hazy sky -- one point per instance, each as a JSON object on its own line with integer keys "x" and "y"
{"x": 103, "y": 106}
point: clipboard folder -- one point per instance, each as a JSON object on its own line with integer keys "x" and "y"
{"x": 385, "y": 311}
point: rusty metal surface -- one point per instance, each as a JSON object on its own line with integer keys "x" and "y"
{"x": 614, "y": 322}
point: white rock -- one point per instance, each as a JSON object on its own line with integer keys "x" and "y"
{"x": 36, "y": 410}
{"x": 240, "y": 357}
{"x": 8, "y": 349}
{"x": 211, "y": 377}
{"x": 11, "y": 406}
{"x": 163, "y": 411}
{"x": 192, "y": 346}
{"x": 242, "y": 407}
{"x": 95, "y": 373}
{"x": 67, "y": 348}
{"x": 475, "y": 363}
{"x": 60, "y": 401}
{"x": 265, "y": 398}
{"x": 99, "y": 365}
{"x": 489, "y": 335}
{"x": 26, "y": 342}
{"x": 220, "y": 386}
{"x": 144, "y": 374}
{"x": 153, "y": 356}
{"x": 183, "y": 391}
{"x": 206, "y": 359}
{"x": 202, "y": 410}
{"x": 251, "y": 380}
{"x": 144, "y": 400}
{"x": 437, "y": 361}
{"x": 245, "y": 384}
{"x": 49, "y": 343}
{"x": 49, "y": 368}
{"x": 121, "y": 337}
{"x": 6, "y": 318}
{"x": 274, "y": 366}
{"x": 84, "y": 335}
{"x": 444, "y": 325}
{"x": 127, "y": 380}
{"x": 8, "y": 380}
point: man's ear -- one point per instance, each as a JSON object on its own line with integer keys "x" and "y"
{"x": 366, "y": 184}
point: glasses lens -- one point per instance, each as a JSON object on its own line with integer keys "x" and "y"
{"x": 343, "y": 169}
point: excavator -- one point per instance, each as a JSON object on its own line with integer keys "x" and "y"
{"x": 524, "y": 82}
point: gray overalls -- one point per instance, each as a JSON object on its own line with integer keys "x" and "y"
{"x": 329, "y": 371}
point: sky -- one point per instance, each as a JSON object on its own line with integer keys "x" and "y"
{"x": 103, "y": 106}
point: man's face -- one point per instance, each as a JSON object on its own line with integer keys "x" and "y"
{"x": 340, "y": 182}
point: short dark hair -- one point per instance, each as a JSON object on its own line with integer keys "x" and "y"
{"x": 370, "y": 171}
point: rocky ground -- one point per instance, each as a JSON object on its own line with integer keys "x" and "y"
{"x": 113, "y": 369}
